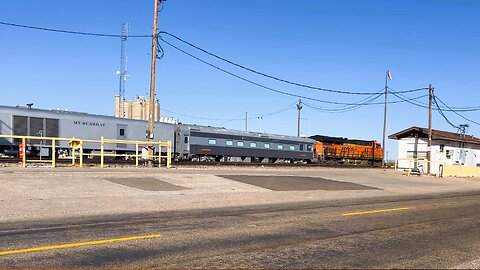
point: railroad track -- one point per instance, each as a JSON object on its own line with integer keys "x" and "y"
{"x": 194, "y": 163}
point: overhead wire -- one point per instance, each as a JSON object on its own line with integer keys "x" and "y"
{"x": 71, "y": 32}
{"x": 455, "y": 112}
{"x": 271, "y": 76}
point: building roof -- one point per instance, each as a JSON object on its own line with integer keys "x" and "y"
{"x": 436, "y": 135}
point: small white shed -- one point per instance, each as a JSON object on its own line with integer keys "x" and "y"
{"x": 447, "y": 148}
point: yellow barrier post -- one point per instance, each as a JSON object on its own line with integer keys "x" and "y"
{"x": 159, "y": 155}
{"x": 73, "y": 152}
{"x": 136, "y": 154}
{"x": 81, "y": 154}
{"x": 53, "y": 153}
{"x": 101, "y": 151}
{"x": 24, "y": 157}
{"x": 169, "y": 154}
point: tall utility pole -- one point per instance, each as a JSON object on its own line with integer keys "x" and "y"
{"x": 151, "y": 109}
{"x": 387, "y": 76}
{"x": 299, "y": 108}
{"x": 122, "y": 73}
{"x": 429, "y": 151}
{"x": 246, "y": 121}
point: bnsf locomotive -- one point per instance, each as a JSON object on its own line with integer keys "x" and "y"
{"x": 190, "y": 142}
{"x": 343, "y": 150}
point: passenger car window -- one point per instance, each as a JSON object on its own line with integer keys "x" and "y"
{"x": 253, "y": 144}
{"x": 292, "y": 147}
{"x": 186, "y": 139}
{"x": 212, "y": 141}
{"x": 240, "y": 143}
{"x": 267, "y": 145}
{"x": 309, "y": 147}
{"x": 302, "y": 146}
{"x": 280, "y": 146}
{"x": 122, "y": 132}
{"x": 229, "y": 142}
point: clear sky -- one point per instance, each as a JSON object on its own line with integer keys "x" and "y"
{"x": 344, "y": 45}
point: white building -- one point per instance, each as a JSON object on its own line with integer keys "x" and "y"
{"x": 448, "y": 149}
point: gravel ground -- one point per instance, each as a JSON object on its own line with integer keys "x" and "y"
{"x": 42, "y": 193}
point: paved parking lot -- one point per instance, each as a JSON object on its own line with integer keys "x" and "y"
{"x": 40, "y": 193}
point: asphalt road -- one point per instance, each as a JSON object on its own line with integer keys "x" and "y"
{"x": 397, "y": 232}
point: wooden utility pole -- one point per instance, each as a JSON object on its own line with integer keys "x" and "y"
{"x": 429, "y": 151}
{"x": 246, "y": 121}
{"x": 387, "y": 76}
{"x": 299, "y": 108}
{"x": 151, "y": 109}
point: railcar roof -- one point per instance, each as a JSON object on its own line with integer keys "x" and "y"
{"x": 222, "y": 130}
{"x": 67, "y": 112}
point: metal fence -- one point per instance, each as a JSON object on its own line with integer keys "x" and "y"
{"x": 76, "y": 148}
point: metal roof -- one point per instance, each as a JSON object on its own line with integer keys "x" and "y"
{"x": 436, "y": 135}
{"x": 222, "y": 130}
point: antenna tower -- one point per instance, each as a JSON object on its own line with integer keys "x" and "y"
{"x": 122, "y": 73}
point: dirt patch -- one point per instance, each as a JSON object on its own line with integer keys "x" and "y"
{"x": 295, "y": 183}
{"x": 148, "y": 183}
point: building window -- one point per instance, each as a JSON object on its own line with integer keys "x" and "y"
{"x": 253, "y": 144}
{"x": 280, "y": 146}
{"x": 302, "y": 146}
{"x": 212, "y": 141}
{"x": 292, "y": 147}
{"x": 229, "y": 142}
{"x": 122, "y": 132}
{"x": 448, "y": 154}
{"x": 267, "y": 145}
{"x": 240, "y": 143}
{"x": 441, "y": 148}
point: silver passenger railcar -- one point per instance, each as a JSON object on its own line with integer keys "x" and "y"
{"x": 66, "y": 124}
{"x": 195, "y": 142}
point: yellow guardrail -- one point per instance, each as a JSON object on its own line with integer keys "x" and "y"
{"x": 417, "y": 160}
{"x": 77, "y": 149}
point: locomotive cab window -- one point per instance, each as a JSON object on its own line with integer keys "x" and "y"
{"x": 229, "y": 142}
{"x": 212, "y": 141}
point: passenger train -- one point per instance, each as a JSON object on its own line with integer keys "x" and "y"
{"x": 190, "y": 142}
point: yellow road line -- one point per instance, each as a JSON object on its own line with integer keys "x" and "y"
{"x": 80, "y": 244}
{"x": 374, "y": 211}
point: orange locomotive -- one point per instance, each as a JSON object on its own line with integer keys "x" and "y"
{"x": 343, "y": 150}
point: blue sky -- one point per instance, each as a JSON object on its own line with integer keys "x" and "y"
{"x": 344, "y": 45}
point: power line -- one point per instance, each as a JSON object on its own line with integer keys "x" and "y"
{"x": 443, "y": 115}
{"x": 72, "y": 32}
{"x": 365, "y": 102}
{"x": 274, "y": 77}
{"x": 252, "y": 82}
{"x": 290, "y": 107}
{"x": 455, "y": 112}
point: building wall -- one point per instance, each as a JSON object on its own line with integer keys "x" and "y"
{"x": 442, "y": 153}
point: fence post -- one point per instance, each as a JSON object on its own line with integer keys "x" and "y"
{"x": 81, "y": 154}
{"x": 24, "y": 157}
{"x": 73, "y": 151}
{"x": 169, "y": 154}
{"x": 53, "y": 153}
{"x": 101, "y": 151}
{"x": 159, "y": 154}
{"x": 136, "y": 154}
